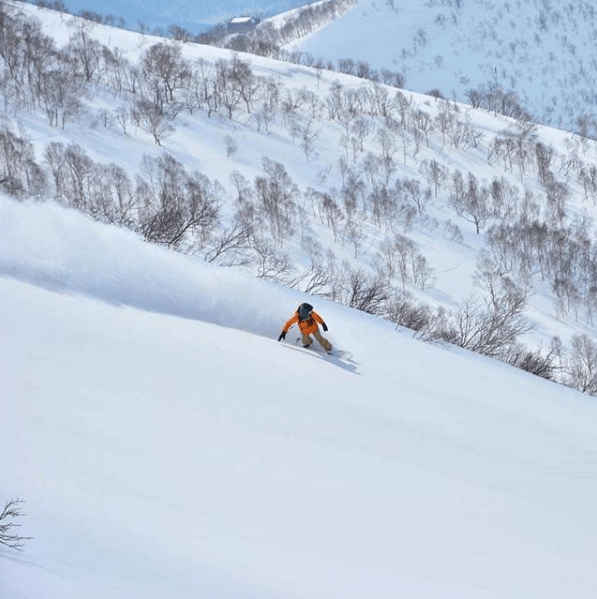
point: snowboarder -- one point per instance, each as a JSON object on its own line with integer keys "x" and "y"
{"x": 307, "y": 319}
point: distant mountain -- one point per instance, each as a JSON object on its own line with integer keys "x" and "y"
{"x": 194, "y": 16}
{"x": 543, "y": 50}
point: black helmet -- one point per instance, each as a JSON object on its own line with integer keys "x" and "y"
{"x": 304, "y": 311}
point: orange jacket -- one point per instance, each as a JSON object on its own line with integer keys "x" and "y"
{"x": 305, "y": 326}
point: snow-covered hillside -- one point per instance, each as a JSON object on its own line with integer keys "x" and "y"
{"x": 538, "y": 51}
{"x": 167, "y": 446}
{"x": 542, "y": 50}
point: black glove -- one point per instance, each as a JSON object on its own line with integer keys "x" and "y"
{"x": 282, "y": 336}
{"x": 325, "y": 326}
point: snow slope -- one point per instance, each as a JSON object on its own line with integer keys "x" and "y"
{"x": 168, "y": 447}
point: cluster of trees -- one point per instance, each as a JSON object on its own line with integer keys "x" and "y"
{"x": 495, "y": 99}
{"x": 493, "y": 327}
{"x": 170, "y": 206}
{"x": 563, "y": 259}
{"x": 37, "y": 75}
{"x": 20, "y": 175}
{"x": 267, "y": 39}
{"x": 166, "y": 206}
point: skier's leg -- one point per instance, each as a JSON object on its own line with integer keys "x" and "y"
{"x": 322, "y": 340}
{"x": 306, "y": 340}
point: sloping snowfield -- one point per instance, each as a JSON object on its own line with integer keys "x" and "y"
{"x": 167, "y": 446}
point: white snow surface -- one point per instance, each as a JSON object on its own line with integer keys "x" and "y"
{"x": 167, "y": 446}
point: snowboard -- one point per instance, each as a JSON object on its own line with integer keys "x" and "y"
{"x": 315, "y": 347}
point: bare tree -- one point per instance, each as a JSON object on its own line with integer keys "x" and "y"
{"x": 418, "y": 196}
{"x": 494, "y": 330}
{"x": 403, "y": 105}
{"x": 537, "y": 362}
{"x": 354, "y": 231}
{"x": 271, "y": 263}
{"x": 227, "y": 87}
{"x": 71, "y": 170}
{"x": 85, "y": 51}
{"x": 403, "y": 310}
{"x": 307, "y": 138}
{"x": 387, "y": 142}
{"x": 401, "y": 257}
{"x": 379, "y": 99}
{"x": 446, "y": 118}
{"x": 423, "y": 125}
{"x": 60, "y": 94}
{"x": 269, "y": 101}
{"x": 581, "y": 368}
{"x": 8, "y": 536}
{"x": 180, "y": 34}
{"x": 231, "y": 145}
{"x": 231, "y": 247}
{"x": 154, "y": 119}
{"x": 365, "y": 292}
{"x": 276, "y": 194}
{"x": 243, "y": 80}
{"x": 19, "y": 172}
{"x": 330, "y": 213}
{"x": 469, "y": 200}
{"x": 435, "y": 174}
{"x": 180, "y": 210}
{"x": 164, "y": 63}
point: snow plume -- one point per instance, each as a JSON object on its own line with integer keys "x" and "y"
{"x": 62, "y": 249}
